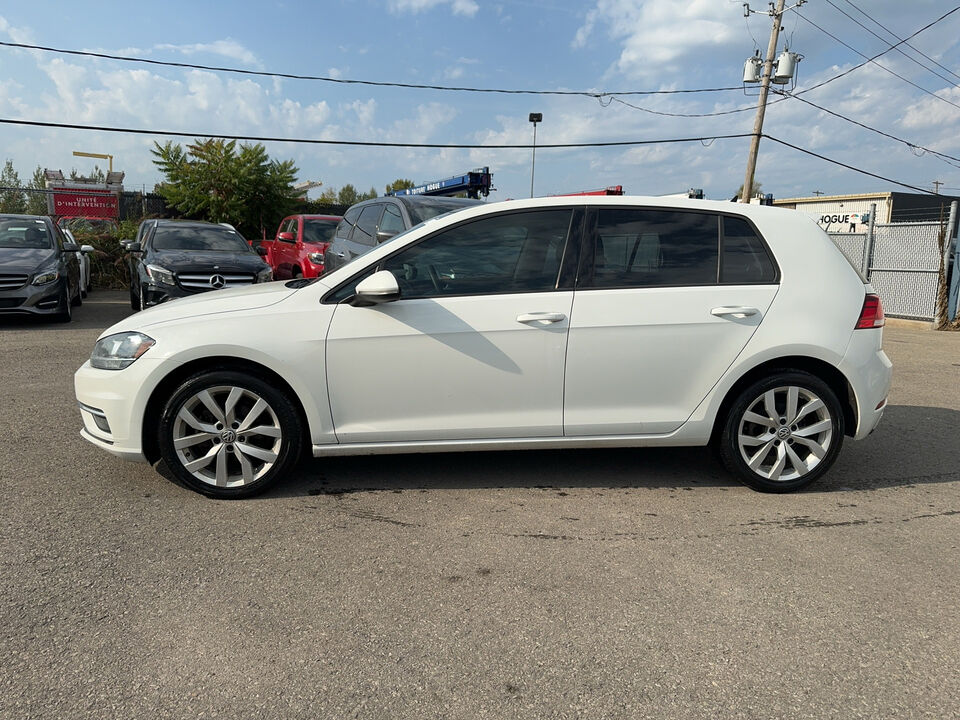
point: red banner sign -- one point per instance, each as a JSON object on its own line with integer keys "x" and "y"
{"x": 86, "y": 203}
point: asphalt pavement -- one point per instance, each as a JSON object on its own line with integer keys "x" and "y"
{"x": 567, "y": 584}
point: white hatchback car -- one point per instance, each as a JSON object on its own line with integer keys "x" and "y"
{"x": 547, "y": 323}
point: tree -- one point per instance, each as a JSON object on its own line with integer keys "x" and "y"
{"x": 328, "y": 197}
{"x": 37, "y": 200}
{"x": 213, "y": 180}
{"x": 348, "y": 195}
{"x": 369, "y": 194}
{"x": 756, "y": 189}
{"x": 11, "y": 196}
{"x": 399, "y": 184}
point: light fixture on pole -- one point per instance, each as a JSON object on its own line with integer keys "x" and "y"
{"x": 534, "y": 118}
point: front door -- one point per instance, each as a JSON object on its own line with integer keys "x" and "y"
{"x": 474, "y": 348}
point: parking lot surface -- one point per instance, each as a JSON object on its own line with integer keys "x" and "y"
{"x": 575, "y": 584}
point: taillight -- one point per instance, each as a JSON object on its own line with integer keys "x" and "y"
{"x": 871, "y": 316}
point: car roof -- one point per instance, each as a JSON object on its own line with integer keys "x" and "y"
{"x": 190, "y": 223}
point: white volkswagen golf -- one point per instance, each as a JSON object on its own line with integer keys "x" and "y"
{"x": 547, "y": 323}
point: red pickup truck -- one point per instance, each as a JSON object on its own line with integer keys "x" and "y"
{"x": 297, "y": 250}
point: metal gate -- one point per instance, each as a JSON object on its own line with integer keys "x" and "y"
{"x": 902, "y": 262}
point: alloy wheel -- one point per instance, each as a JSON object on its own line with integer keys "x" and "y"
{"x": 227, "y": 436}
{"x": 785, "y": 433}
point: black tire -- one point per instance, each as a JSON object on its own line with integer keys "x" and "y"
{"x": 243, "y": 454}
{"x": 789, "y": 455}
{"x": 134, "y": 298}
{"x": 78, "y": 298}
{"x": 66, "y": 314}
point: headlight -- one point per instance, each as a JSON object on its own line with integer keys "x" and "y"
{"x": 265, "y": 275}
{"x": 316, "y": 258}
{"x": 115, "y": 352}
{"x": 46, "y": 278}
{"x": 160, "y": 275}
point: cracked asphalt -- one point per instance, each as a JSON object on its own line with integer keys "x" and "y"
{"x": 577, "y": 584}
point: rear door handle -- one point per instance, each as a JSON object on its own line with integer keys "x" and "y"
{"x": 544, "y": 317}
{"x": 736, "y": 310}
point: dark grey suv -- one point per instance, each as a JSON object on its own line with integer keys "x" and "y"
{"x": 39, "y": 271}
{"x": 371, "y": 222}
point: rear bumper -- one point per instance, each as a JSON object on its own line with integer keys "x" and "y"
{"x": 870, "y": 373}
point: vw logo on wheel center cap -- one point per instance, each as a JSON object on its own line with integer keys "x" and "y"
{"x": 228, "y": 436}
{"x": 783, "y": 433}
{"x": 217, "y": 281}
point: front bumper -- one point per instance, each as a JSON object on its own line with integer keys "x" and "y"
{"x": 33, "y": 300}
{"x": 112, "y": 404}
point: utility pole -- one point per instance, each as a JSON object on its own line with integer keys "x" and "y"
{"x": 936, "y": 186}
{"x": 762, "y": 105}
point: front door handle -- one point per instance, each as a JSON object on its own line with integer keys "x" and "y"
{"x": 735, "y": 310}
{"x": 338, "y": 254}
{"x": 544, "y": 317}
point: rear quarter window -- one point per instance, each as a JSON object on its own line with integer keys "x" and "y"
{"x": 744, "y": 259}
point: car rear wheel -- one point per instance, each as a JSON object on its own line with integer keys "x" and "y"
{"x": 782, "y": 432}
{"x": 228, "y": 434}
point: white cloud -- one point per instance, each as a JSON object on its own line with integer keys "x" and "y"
{"x": 468, "y": 8}
{"x": 227, "y": 48}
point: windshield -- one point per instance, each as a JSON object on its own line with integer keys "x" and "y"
{"x": 215, "y": 239}
{"x": 24, "y": 234}
{"x": 426, "y": 208}
{"x": 319, "y": 231}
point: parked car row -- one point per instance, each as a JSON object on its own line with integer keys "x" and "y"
{"x": 40, "y": 268}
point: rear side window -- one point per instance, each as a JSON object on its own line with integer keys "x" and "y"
{"x": 367, "y": 225}
{"x": 651, "y": 248}
{"x": 745, "y": 259}
{"x": 347, "y": 223}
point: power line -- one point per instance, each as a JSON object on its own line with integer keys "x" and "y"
{"x": 873, "y": 60}
{"x": 360, "y": 143}
{"x": 887, "y": 42}
{"x": 912, "y": 47}
{"x": 909, "y": 144}
{"x": 691, "y": 115}
{"x": 848, "y": 167}
{"x": 879, "y": 54}
{"x": 343, "y": 81}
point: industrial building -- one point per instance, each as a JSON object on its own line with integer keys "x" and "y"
{"x": 851, "y": 213}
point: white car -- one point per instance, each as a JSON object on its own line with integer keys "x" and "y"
{"x": 84, "y": 261}
{"x": 567, "y": 322}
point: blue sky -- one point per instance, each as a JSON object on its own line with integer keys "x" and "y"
{"x": 597, "y": 45}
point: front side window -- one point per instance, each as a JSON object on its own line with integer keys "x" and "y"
{"x": 510, "y": 253}
{"x": 391, "y": 222}
{"x": 650, "y": 248}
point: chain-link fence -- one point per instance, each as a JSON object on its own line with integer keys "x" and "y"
{"x": 903, "y": 265}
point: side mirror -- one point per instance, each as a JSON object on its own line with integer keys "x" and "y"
{"x": 125, "y": 242}
{"x": 287, "y": 237}
{"x": 134, "y": 247}
{"x": 381, "y": 287}
{"x": 384, "y": 236}
{"x": 86, "y": 249}
{"x": 262, "y": 251}
{"x": 71, "y": 247}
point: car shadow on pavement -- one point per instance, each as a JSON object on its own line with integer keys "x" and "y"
{"x": 913, "y": 445}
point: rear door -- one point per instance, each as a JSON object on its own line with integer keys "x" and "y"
{"x": 665, "y": 301}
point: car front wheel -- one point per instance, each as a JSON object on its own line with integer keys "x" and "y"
{"x": 228, "y": 434}
{"x": 782, "y": 432}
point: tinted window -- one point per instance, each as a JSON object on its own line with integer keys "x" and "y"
{"x": 367, "y": 224}
{"x": 391, "y": 221}
{"x": 745, "y": 259}
{"x": 643, "y": 248}
{"x": 349, "y": 220}
{"x": 517, "y": 252}
{"x": 424, "y": 208}
{"x": 198, "y": 238}
{"x": 318, "y": 231}
{"x": 24, "y": 233}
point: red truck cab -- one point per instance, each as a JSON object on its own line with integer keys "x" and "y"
{"x": 298, "y": 248}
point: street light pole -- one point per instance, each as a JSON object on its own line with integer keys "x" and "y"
{"x": 762, "y": 105}
{"x": 534, "y": 118}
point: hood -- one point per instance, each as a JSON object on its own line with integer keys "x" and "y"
{"x": 25, "y": 260}
{"x": 193, "y": 261}
{"x": 250, "y": 297}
